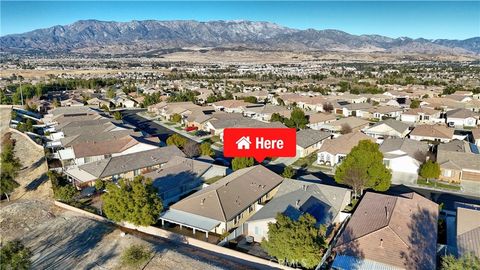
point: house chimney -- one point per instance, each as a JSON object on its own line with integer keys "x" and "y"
{"x": 202, "y": 201}
{"x": 381, "y": 243}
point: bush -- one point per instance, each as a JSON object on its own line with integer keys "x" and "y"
{"x": 66, "y": 193}
{"x": 14, "y": 255}
{"x": 99, "y": 185}
{"x": 136, "y": 255}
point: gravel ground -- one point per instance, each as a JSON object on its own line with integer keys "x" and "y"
{"x": 61, "y": 239}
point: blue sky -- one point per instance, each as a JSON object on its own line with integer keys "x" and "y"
{"x": 452, "y": 20}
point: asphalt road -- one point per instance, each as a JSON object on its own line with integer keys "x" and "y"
{"x": 148, "y": 126}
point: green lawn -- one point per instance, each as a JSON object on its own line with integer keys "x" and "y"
{"x": 437, "y": 184}
{"x": 178, "y": 128}
{"x": 170, "y": 123}
{"x": 306, "y": 161}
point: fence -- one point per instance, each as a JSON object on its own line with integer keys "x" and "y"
{"x": 155, "y": 231}
{"x": 237, "y": 232}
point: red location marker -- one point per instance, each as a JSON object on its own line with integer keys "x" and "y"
{"x": 259, "y": 143}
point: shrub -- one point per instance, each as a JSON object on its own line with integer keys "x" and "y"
{"x": 136, "y": 255}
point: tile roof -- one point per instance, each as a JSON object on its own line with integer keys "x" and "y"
{"x": 434, "y": 131}
{"x": 89, "y": 149}
{"x": 391, "y": 230}
{"x": 458, "y": 154}
{"x": 229, "y": 196}
{"x": 468, "y": 231}
{"x": 243, "y": 122}
{"x": 418, "y": 111}
{"x": 344, "y": 143}
{"x": 321, "y": 117}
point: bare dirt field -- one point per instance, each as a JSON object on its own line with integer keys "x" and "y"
{"x": 62, "y": 240}
{"x": 33, "y": 73}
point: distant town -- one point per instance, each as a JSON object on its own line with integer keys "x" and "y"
{"x": 386, "y": 173}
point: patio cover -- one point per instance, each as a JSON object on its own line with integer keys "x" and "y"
{"x": 190, "y": 220}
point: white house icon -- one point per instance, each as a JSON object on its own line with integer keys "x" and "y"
{"x": 243, "y": 143}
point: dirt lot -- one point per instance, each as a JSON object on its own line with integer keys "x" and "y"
{"x": 62, "y": 240}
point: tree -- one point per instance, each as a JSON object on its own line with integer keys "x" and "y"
{"x": 363, "y": 168}
{"x": 280, "y": 102}
{"x": 345, "y": 129}
{"x": 65, "y": 193}
{"x": 288, "y": 172}
{"x": 250, "y": 99}
{"x": 14, "y": 255}
{"x": 296, "y": 242}
{"x": 415, "y": 104}
{"x": 242, "y": 162}
{"x": 467, "y": 261}
{"x": 177, "y": 140}
{"x": 206, "y": 149}
{"x": 328, "y": 107}
{"x": 117, "y": 115}
{"x": 55, "y": 103}
{"x": 133, "y": 201}
{"x": 29, "y": 125}
{"x": 191, "y": 149}
{"x": 299, "y": 118}
{"x": 99, "y": 184}
{"x": 111, "y": 93}
{"x": 136, "y": 255}
{"x": 176, "y": 118}
{"x": 10, "y": 165}
{"x": 430, "y": 170}
{"x": 276, "y": 117}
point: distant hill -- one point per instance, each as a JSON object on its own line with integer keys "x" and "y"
{"x": 93, "y": 36}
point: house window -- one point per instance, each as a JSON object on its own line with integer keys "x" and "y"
{"x": 447, "y": 173}
{"x": 386, "y": 163}
{"x": 426, "y": 117}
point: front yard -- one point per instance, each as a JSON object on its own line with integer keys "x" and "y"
{"x": 307, "y": 161}
{"x": 437, "y": 184}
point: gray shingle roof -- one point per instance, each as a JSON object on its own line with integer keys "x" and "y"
{"x": 229, "y": 196}
{"x": 394, "y": 124}
{"x": 408, "y": 146}
{"x": 125, "y": 163}
{"x": 326, "y": 201}
{"x": 308, "y": 137}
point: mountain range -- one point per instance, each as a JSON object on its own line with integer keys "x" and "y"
{"x": 136, "y": 37}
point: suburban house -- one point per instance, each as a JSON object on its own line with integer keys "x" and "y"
{"x": 295, "y": 198}
{"x": 233, "y": 106}
{"x": 216, "y": 126}
{"x": 389, "y": 232}
{"x": 357, "y": 109}
{"x": 125, "y": 166}
{"x": 438, "y": 133}
{"x": 90, "y": 151}
{"x": 461, "y": 118}
{"x": 335, "y": 150}
{"x": 384, "y": 112}
{"x": 468, "y": 230}
{"x": 310, "y": 140}
{"x": 404, "y": 157}
{"x": 180, "y": 176}
{"x": 353, "y": 124}
{"x": 227, "y": 203}
{"x": 421, "y": 115}
{"x": 476, "y": 135}
{"x": 459, "y": 162}
{"x": 265, "y": 112}
{"x": 64, "y": 112}
{"x": 317, "y": 119}
{"x": 388, "y": 129}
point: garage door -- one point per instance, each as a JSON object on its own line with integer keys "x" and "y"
{"x": 471, "y": 176}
